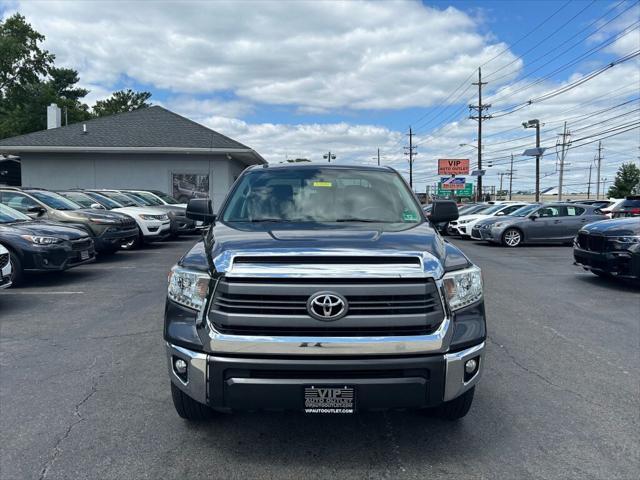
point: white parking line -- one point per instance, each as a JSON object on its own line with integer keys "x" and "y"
{"x": 41, "y": 292}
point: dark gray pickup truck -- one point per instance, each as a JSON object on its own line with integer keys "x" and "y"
{"x": 323, "y": 289}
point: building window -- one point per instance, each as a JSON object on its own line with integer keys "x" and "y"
{"x": 189, "y": 185}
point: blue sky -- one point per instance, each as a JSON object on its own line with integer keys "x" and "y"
{"x": 295, "y": 79}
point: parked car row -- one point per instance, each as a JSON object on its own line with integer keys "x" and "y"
{"x": 605, "y": 243}
{"x": 42, "y": 230}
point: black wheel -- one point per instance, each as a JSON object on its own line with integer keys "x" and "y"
{"x": 458, "y": 407}
{"x": 17, "y": 274}
{"x": 512, "y": 237}
{"x": 188, "y": 408}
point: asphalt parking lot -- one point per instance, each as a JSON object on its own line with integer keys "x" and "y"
{"x": 84, "y": 391}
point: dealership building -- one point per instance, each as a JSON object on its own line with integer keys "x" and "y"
{"x": 150, "y": 148}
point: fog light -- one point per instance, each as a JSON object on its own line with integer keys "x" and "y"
{"x": 180, "y": 366}
{"x": 470, "y": 366}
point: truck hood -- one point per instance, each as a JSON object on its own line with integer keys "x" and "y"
{"x": 49, "y": 229}
{"x": 623, "y": 226}
{"x": 323, "y": 240}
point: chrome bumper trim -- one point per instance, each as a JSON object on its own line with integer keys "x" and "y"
{"x": 196, "y": 384}
{"x": 437, "y": 342}
{"x": 454, "y": 374}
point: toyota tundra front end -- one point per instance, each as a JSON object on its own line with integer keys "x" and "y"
{"x": 323, "y": 290}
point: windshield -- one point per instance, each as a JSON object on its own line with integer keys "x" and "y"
{"x": 524, "y": 211}
{"x": 322, "y": 195}
{"x": 104, "y": 201}
{"x": 122, "y": 199}
{"x": 8, "y": 215}
{"x": 148, "y": 198}
{"x": 167, "y": 198}
{"x": 493, "y": 209}
{"x": 53, "y": 200}
{"x": 81, "y": 199}
{"x": 139, "y": 200}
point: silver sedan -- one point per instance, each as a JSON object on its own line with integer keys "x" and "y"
{"x": 556, "y": 222}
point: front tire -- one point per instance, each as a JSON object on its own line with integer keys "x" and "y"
{"x": 512, "y": 237}
{"x": 188, "y": 408}
{"x": 17, "y": 274}
{"x": 457, "y": 408}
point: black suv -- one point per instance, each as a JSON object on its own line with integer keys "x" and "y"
{"x": 610, "y": 248}
{"x": 37, "y": 246}
{"x": 324, "y": 290}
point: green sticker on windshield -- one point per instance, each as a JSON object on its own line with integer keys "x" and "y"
{"x": 409, "y": 216}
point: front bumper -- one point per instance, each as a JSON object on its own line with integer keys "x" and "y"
{"x": 57, "y": 257}
{"x": 181, "y": 224}
{"x": 254, "y": 383}
{"x": 621, "y": 263}
{"x": 113, "y": 237}
{"x": 154, "y": 231}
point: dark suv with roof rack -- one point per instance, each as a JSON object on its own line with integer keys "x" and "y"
{"x": 324, "y": 290}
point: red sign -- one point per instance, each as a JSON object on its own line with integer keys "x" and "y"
{"x": 453, "y": 166}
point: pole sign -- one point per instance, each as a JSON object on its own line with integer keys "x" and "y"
{"x": 453, "y": 166}
{"x": 452, "y": 183}
{"x": 443, "y": 191}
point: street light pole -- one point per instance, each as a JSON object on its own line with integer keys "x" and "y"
{"x": 535, "y": 123}
{"x": 329, "y": 156}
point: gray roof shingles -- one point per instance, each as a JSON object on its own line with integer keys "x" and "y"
{"x": 148, "y": 127}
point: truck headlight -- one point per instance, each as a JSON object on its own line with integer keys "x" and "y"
{"x": 40, "y": 240}
{"x": 463, "y": 287}
{"x": 188, "y": 287}
{"x": 104, "y": 221}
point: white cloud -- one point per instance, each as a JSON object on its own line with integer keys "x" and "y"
{"x": 314, "y": 55}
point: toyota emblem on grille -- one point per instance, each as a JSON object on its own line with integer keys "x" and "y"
{"x": 327, "y": 306}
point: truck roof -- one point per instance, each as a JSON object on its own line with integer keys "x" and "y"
{"x": 304, "y": 166}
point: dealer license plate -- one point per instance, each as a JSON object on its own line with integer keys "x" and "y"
{"x": 84, "y": 255}
{"x": 329, "y": 399}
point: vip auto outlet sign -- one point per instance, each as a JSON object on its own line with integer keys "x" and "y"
{"x": 453, "y": 183}
{"x": 453, "y": 166}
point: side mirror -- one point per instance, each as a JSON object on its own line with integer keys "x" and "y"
{"x": 37, "y": 210}
{"x": 201, "y": 209}
{"x": 97, "y": 206}
{"x": 444, "y": 211}
{"x": 533, "y": 216}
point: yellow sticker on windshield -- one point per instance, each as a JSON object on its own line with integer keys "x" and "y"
{"x": 322, "y": 184}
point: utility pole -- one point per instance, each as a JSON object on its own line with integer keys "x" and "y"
{"x": 511, "y": 177}
{"x": 599, "y": 160}
{"x": 479, "y": 109}
{"x": 502, "y": 174}
{"x": 562, "y": 157}
{"x": 411, "y": 152}
{"x": 378, "y": 157}
{"x": 589, "y": 184}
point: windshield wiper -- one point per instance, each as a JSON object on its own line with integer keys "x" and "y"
{"x": 354, "y": 219}
{"x": 275, "y": 220}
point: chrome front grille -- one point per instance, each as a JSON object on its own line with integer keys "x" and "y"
{"x": 278, "y": 306}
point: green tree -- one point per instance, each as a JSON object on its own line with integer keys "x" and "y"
{"x": 22, "y": 60}
{"x": 29, "y": 82}
{"x": 121, "y": 101}
{"x": 627, "y": 179}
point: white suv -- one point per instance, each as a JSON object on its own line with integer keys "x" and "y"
{"x": 5, "y": 268}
